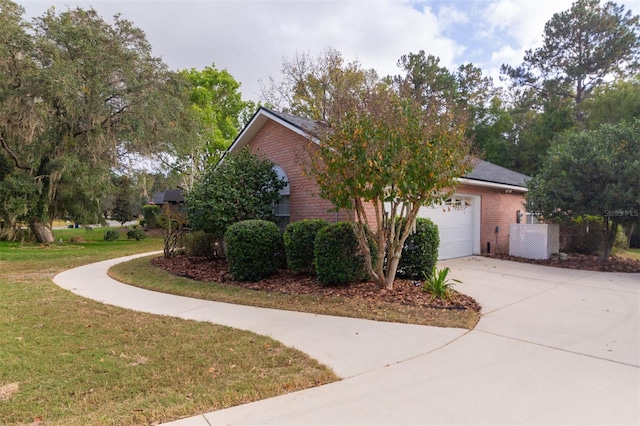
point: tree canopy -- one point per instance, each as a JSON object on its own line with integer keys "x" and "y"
{"x": 77, "y": 95}
{"x": 592, "y": 172}
{"x": 383, "y": 145}
{"x": 582, "y": 47}
{"x": 217, "y": 114}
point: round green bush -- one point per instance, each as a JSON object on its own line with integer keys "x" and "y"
{"x": 136, "y": 234}
{"x": 338, "y": 258}
{"x": 420, "y": 251}
{"x": 111, "y": 235}
{"x": 254, "y": 249}
{"x": 203, "y": 244}
{"x": 299, "y": 242}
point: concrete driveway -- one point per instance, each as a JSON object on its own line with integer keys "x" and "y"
{"x": 554, "y": 346}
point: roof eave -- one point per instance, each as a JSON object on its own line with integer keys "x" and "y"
{"x": 494, "y": 185}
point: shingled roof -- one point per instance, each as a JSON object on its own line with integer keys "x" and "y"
{"x": 489, "y": 172}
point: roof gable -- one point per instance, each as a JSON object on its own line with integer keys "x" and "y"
{"x": 299, "y": 125}
{"x": 483, "y": 174}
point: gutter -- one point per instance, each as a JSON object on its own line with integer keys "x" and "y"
{"x": 506, "y": 187}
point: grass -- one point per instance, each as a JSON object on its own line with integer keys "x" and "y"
{"x": 141, "y": 273}
{"x": 67, "y": 360}
{"x": 633, "y": 253}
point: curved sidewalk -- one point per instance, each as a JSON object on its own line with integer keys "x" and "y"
{"x": 553, "y": 347}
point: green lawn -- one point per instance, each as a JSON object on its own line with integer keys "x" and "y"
{"x": 633, "y": 253}
{"x": 67, "y": 360}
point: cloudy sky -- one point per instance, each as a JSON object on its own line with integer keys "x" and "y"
{"x": 250, "y": 38}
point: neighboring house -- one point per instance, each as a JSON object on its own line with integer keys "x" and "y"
{"x": 475, "y": 220}
{"x": 173, "y": 197}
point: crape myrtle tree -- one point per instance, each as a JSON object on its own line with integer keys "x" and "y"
{"x": 592, "y": 172}
{"x": 384, "y": 146}
{"x": 77, "y": 94}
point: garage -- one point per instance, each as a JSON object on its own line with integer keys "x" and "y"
{"x": 458, "y": 220}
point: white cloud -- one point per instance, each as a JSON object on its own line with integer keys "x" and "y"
{"x": 250, "y": 38}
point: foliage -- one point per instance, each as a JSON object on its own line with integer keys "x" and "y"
{"x": 592, "y": 173}
{"x": 582, "y": 47}
{"x": 199, "y": 243}
{"x": 254, "y": 249}
{"x": 152, "y": 213}
{"x": 299, "y": 243}
{"x": 78, "y": 95}
{"x": 217, "y": 113}
{"x": 174, "y": 228}
{"x": 111, "y": 235}
{"x": 122, "y": 210}
{"x": 242, "y": 186}
{"x": 338, "y": 256}
{"x": 386, "y": 148}
{"x": 309, "y": 85}
{"x": 426, "y": 79}
{"x": 135, "y": 233}
{"x": 612, "y": 103}
{"x": 438, "y": 284}
{"x": 420, "y": 251}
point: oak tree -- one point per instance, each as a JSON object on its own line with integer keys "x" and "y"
{"x": 78, "y": 94}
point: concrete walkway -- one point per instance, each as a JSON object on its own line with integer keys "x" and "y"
{"x": 554, "y": 346}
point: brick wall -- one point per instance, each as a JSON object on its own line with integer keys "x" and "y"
{"x": 498, "y": 209}
{"x": 290, "y": 151}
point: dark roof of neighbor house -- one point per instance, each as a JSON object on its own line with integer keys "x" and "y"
{"x": 483, "y": 171}
{"x": 171, "y": 196}
{"x": 489, "y": 172}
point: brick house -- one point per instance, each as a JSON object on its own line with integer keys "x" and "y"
{"x": 474, "y": 220}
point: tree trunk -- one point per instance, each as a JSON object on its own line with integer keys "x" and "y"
{"x": 42, "y": 231}
{"x": 609, "y": 238}
{"x": 392, "y": 268}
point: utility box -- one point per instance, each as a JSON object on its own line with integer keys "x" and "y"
{"x": 537, "y": 241}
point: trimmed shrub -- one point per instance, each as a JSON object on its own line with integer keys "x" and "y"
{"x": 136, "y": 233}
{"x": 254, "y": 249}
{"x": 152, "y": 213}
{"x": 111, "y": 235}
{"x": 420, "y": 251}
{"x": 203, "y": 244}
{"x": 299, "y": 242}
{"x": 338, "y": 258}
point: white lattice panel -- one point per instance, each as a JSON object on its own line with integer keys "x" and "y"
{"x": 534, "y": 241}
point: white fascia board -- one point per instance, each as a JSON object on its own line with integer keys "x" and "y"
{"x": 473, "y": 182}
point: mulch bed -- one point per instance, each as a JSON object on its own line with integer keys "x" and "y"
{"x": 581, "y": 261}
{"x": 405, "y": 292}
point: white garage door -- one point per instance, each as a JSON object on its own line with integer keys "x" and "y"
{"x": 458, "y": 223}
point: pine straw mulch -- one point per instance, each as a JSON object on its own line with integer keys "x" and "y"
{"x": 582, "y": 262}
{"x": 404, "y": 292}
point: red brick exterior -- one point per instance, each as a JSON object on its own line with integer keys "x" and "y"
{"x": 290, "y": 151}
{"x": 498, "y": 208}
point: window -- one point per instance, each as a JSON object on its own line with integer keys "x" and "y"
{"x": 532, "y": 219}
{"x": 282, "y": 209}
